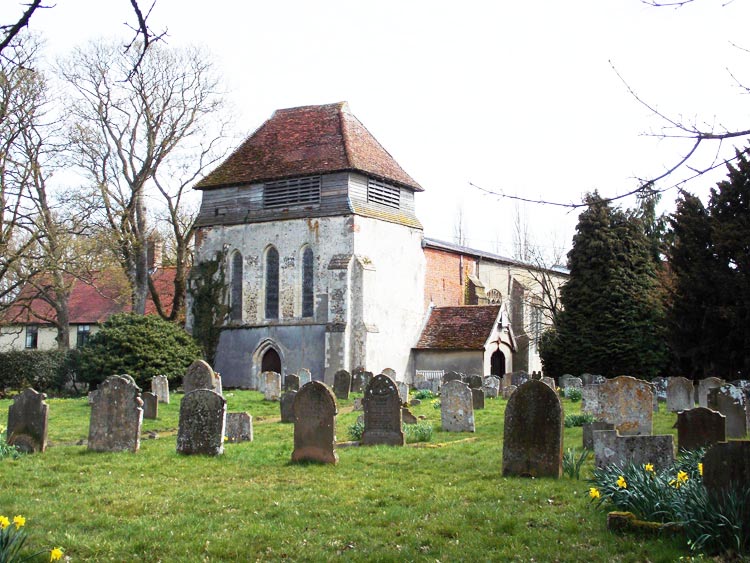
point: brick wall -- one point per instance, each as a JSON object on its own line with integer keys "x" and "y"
{"x": 444, "y": 280}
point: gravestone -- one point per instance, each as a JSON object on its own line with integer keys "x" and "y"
{"x": 508, "y": 391}
{"x": 612, "y": 449}
{"x": 202, "y": 424}
{"x": 432, "y": 385}
{"x": 564, "y": 380}
{"x": 403, "y": 391}
{"x": 574, "y": 382}
{"x": 655, "y": 402}
{"x": 474, "y": 381}
{"x": 588, "y": 432}
{"x": 491, "y": 386}
{"x": 730, "y": 401}
{"x": 91, "y": 397}
{"x": 357, "y": 378}
{"x": 291, "y": 382}
{"x": 699, "y": 428}
{"x": 342, "y": 383}
{"x": 27, "y": 422}
{"x": 150, "y": 405}
{"x": 239, "y": 427}
{"x": 598, "y": 379}
{"x": 451, "y": 376}
{"x": 382, "y": 406}
{"x": 305, "y": 377}
{"x": 477, "y": 398}
{"x": 116, "y": 416}
{"x": 287, "y": 406}
{"x": 366, "y": 378}
{"x": 315, "y": 424}
{"x": 518, "y": 378}
{"x": 357, "y": 404}
{"x": 200, "y": 376}
{"x": 533, "y": 433}
{"x": 390, "y": 373}
{"x": 726, "y": 466}
{"x": 660, "y": 384}
{"x": 704, "y": 385}
{"x": 586, "y": 379}
{"x": 549, "y": 382}
{"x": 456, "y": 407}
{"x": 590, "y": 399}
{"x": 160, "y": 388}
{"x": 627, "y": 403}
{"x": 407, "y": 416}
{"x": 680, "y": 394}
{"x": 507, "y": 380}
{"x": 271, "y": 385}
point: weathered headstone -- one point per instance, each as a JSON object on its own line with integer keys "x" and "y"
{"x": 407, "y": 416}
{"x": 366, "y": 378}
{"x": 357, "y": 379}
{"x": 116, "y": 416}
{"x": 574, "y": 382}
{"x": 564, "y": 380}
{"x": 726, "y": 465}
{"x": 291, "y": 382}
{"x": 382, "y": 406}
{"x": 150, "y": 405}
{"x": 474, "y": 381}
{"x": 271, "y": 385}
{"x": 730, "y": 401}
{"x": 91, "y": 397}
{"x": 508, "y": 391}
{"x": 491, "y": 386}
{"x": 588, "y": 432}
{"x": 477, "y": 398}
{"x": 613, "y": 449}
{"x": 627, "y": 402}
{"x": 704, "y": 385}
{"x": 432, "y": 385}
{"x": 520, "y": 377}
{"x": 403, "y": 391}
{"x": 202, "y": 424}
{"x": 287, "y": 406}
{"x": 160, "y": 388}
{"x": 586, "y": 379}
{"x": 27, "y": 422}
{"x": 390, "y": 373}
{"x": 549, "y": 382}
{"x": 239, "y": 427}
{"x": 456, "y": 407}
{"x": 342, "y": 383}
{"x": 200, "y": 376}
{"x": 655, "y": 401}
{"x": 451, "y": 376}
{"x": 315, "y": 424}
{"x": 305, "y": 377}
{"x": 680, "y": 395}
{"x": 357, "y": 404}
{"x": 507, "y": 380}
{"x": 533, "y": 433}
{"x": 699, "y": 428}
{"x": 660, "y": 384}
{"x": 590, "y": 399}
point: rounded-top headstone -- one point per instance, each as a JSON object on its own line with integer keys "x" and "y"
{"x": 27, "y": 421}
{"x": 315, "y": 411}
{"x": 456, "y": 407}
{"x": 202, "y": 423}
{"x": 342, "y": 383}
{"x": 383, "y": 415}
{"x": 199, "y": 375}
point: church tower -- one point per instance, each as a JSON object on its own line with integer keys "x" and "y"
{"x": 323, "y": 249}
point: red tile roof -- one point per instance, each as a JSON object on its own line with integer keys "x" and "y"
{"x": 459, "y": 328}
{"x": 90, "y": 302}
{"x": 306, "y": 141}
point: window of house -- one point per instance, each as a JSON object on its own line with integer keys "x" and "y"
{"x": 383, "y": 193}
{"x": 307, "y": 283}
{"x": 294, "y": 191}
{"x": 272, "y": 283}
{"x": 32, "y": 336}
{"x": 235, "y": 295}
{"x": 82, "y": 335}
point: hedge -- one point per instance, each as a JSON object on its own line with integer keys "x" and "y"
{"x": 44, "y": 370}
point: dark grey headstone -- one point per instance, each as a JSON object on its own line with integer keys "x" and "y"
{"x": 116, "y": 416}
{"x": 474, "y": 381}
{"x": 27, "y": 422}
{"x": 613, "y": 449}
{"x": 342, "y": 383}
{"x": 456, "y": 407}
{"x": 407, "y": 416}
{"x": 382, "y": 406}
{"x": 699, "y": 428}
{"x": 451, "y": 376}
{"x": 150, "y": 405}
{"x": 477, "y": 398}
{"x": 200, "y": 375}
{"x": 730, "y": 401}
{"x": 315, "y": 424}
{"x": 202, "y": 423}
{"x": 357, "y": 380}
{"x": 287, "y": 406}
{"x": 726, "y": 465}
{"x": 520, "y": 377}
{"x": 239, "y": 427}
{"x": 291, "y": 382}
{"x": 704, "y": 385}
{"x": 588, "y": 432}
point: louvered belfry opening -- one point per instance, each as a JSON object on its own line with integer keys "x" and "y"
{"x": 292, "y": 191}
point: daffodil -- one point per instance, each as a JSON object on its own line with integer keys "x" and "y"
{"x": 682, "y": 477}
{"x": 55, "y": 554}
{"x": 4, "y": 522}
{"x": 19, "y": 521}
{"x": 594, "y": 493}
{"x": 700, "y": 469}
{"x": 622, "y": 483}
{"x": 649, "y": 467}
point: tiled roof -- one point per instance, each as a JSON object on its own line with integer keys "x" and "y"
{"x": 459, "y": 328}
{"x": 90, "y": 302}
{"x": 306, "y": 141}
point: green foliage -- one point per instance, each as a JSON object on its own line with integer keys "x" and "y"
{"x": 44, "y": 370}
{"x": 208, "y": 289}
{"x": 139, "y": 345}
{"x": 423, "y": 394}
{"x": 436, "y": 404}
{"x": 572, "y": 393}
{"x": 355, "y": 431}
{"x": 419, "y": 432}
{"x": 578, "y": 419}
{"x": 6, "y": 450}
{"x": 573, "y": 461}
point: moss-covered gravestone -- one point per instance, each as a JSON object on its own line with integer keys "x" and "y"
{"x": 116, "y": 416}
{"x": 27, "y": 422}
{"x": 202, "y": 423}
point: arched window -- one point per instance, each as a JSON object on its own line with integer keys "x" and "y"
{"x": 235, "y": 296}
{"x": 307, "y": 283}
{"x": 272, "y": 283}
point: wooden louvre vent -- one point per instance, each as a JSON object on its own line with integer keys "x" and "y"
{"x": 294, "y": 191}
{"x": 385, "y": 194}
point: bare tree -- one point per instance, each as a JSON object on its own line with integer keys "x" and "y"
{"x": 460, "y": 228}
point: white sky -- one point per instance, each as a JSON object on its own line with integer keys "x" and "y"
{"x": 518, "y": 97}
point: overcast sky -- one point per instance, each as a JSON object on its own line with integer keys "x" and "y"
{"x": 515, "y": 97}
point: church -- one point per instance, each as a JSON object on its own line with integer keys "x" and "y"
{"x": 327, "y": 266}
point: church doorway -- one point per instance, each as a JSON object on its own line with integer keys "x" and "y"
{"x": 497, "y": 363}
{"x": 271, "y": 361}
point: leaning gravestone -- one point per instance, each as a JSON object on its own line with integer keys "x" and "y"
{"x": 704, "y": 385}
{"x": 342, "y": 383}
{"x": 627, "y": 403}
{"x": 590, "y": 399}
{"x": 699, "y": 428}
{"x": 291, "y": 382}
{"x": 305, "y": 377}
{"x": 451, "y": 376}
{"x": 315, "y": 424}
{"x": 200, "y": 376}
{"x": 477, "y": 399}
{"x": 491, "y": 386}
{"x": 160, "y": 388}
{"x": 588, "y": 432}
{"x": 383, "y": 416}
{"x": 533, "y": 434}
{"x": 150, "y": 406}
{"x": 116, "y": 416}
{"x": 403, "y": 392}
{"x": 474, "y": 381}
{"x": 239, "y": 427}
{"x": 680, "y": 394}
{"x": 202, "y": 423}
{"x": 27, "y": 422}
{"x": 407, "y": 416}
{"x": 271, "y": 385}
{"x": 726, "y": 466}
{"x": 287, "y": 406}
{"x": 730, "y": 401}
{"x": 612, "y": 449}
{"x": 456, "y": 407}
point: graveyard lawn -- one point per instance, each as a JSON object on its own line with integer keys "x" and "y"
{"x": 444, "y": 500}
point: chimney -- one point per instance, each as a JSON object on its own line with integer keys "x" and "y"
{"x": 155, "y": 250}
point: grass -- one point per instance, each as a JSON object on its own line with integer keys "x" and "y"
{"x": 441, "y": 500}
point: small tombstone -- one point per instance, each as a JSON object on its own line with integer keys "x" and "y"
{"x": 564, "y": 380}
{"x": 342, "y": 383}
{"x": 357, "y": 405}
{"x": 680, "y": 395}
{"x": 390, "y": 373}
{"x": 150, "y": 405}
{"x": 451, "y": 376}
{"x": 203, "y": 415}
{"x": 407, "y": 416}
{"x": 477, "y": 398}
{"x": 699, "y": 428}
{"x": 727, "y": 466}
{"x": 403, "y": 391}
{"x": 549, "y": 382}
{"x": 660, "y": 384}
{"x": 598, "y": 379}
{"x": 507, "y": 380}
{"x": 456, "y": 407}
{"x": 627, "y": 403}
{"x": 291, "y": 382}
{"x": 655, "y": 402}
{"x": 315, "y": 424}
{"x": 590, "y": 399}
{"x": 366, "y": 378}
{"x": 508, "y": 391}
{"x": 200, "y": 376}
{"x": 415, "y": 403}
{"x": 704, "y": 385}
{"x": 586, "y": 379}
{"x": 432, "y": 385}
{"x": 533, "y": 433}
{"x": 239, "y": 427}
{"x": 520, "y": 377}
{"x": 287, "y": 406}
{"x": 730, "y": 401}
{"x": 357, "y": 378}
{"x": 575, "y": 382}
{"x": 305, "y": 377}
{"x": 382, "y": 413}
{"x": 474, "y": 381}
{"x": 588, "y": 432}
{"x": 160, "y": 388}
{"x": 612, "y": 449}
{"x": 27, "y": 422}
{"x": 271, "y": 385}
{"x": 492, "y": 386}
{"x": 116, "y": 416}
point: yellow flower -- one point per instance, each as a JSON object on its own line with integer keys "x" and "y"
{"x": 4, "y": 522}
{"x": 55, "y": 554}
{"x": 682, "y": 477}
{"x": 622, "y": 483}
{"x": 649, "y": 467}
{"x": 19, "y": 521}
{"x": 700, "y": 469}
{"x": 226, "y": 438}
{"x": 594, "y": 492}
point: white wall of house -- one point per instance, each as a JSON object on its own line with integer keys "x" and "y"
{"x": 13, "y": 337}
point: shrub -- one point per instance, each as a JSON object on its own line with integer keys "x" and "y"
{"x": 355, "y": 431}
{"x": 419, "y": 432}
{"x": 139, "y": 345}
{"x": 572, "y": 462}
{"x": 7, "y": 450}
{"x": 572, "y": 393}
{"x": 572, "y": 420}
{"x": 44, "y": 370}
{"x": 423, "y": 394}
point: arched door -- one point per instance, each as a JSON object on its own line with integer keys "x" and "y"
{"x": 497, "y": 363}
{"x": 271, "y": 361}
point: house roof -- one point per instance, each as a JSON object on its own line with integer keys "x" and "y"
{"x": 459, "y": 328}
{"x": 91, "y": 302}
{"x": 307, "y": 141}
